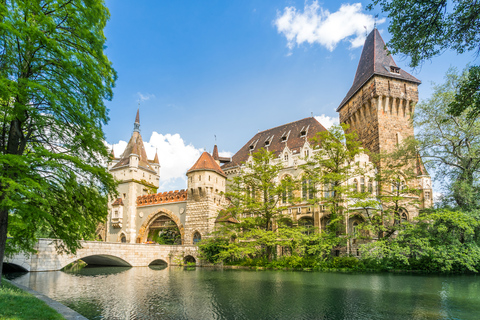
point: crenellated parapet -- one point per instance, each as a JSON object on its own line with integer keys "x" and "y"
{"x": 165, "y": 197}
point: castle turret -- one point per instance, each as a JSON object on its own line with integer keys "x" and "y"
{"x": 137, "y": 176}
{"x": 381, "y": 100}
{"x": 206, "y": 188}
{"x": 380, "y": 104}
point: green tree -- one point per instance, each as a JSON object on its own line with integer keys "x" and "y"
{"x": 256, "y": 193}
{"x": 54, "y": 80}
{"x": 329, "y": 169}
{"x": 440, "y": 241}
{"x": 450, "y": 143}
{"x": 424, "y": 29}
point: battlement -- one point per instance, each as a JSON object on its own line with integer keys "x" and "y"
{"x": 165, "y": 197}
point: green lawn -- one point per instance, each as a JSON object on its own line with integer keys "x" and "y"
{"x": 16, "y": 304}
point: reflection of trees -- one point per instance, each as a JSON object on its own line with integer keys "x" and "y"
{"x": 164, "y": 231}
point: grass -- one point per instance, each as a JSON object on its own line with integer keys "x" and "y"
{"x": 16, "y": 304}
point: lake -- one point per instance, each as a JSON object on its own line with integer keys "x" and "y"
{"x": 205, "y": 293}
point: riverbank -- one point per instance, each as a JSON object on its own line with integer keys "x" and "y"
{"x": 19, "y": 302}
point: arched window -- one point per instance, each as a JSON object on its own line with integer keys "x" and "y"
{"x": 307, "y": 224}
{"x": 401, "y": 216}
{"x": 123, "y": 239}
{"x": 285, "y": 156}
{"x": 196, "y": 237}
{"x": 328, "y": 190}
{"x": 370, "y": 186}
{"x": 362, "y": 184}
{"x": 355, "y": 227}
{"x": 355, "y": 185}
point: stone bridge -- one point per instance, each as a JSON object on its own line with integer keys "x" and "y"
{"x": 106, "y": 254}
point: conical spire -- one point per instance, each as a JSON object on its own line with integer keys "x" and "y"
{"x": 375, "y": 60}
{"x": 215, "y": 153}
{"x": 136, "y": 125}
{"x": 112, "y": 154}
{"x": 155, "y": 160}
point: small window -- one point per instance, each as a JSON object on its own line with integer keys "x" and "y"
{"x": 196, "y": 237}
{"x": 306, "y": 153}
{"x": 285, "y": 157}
{"x": 394, "y": 69}
{"x": 303, "y": 133}
{"x": 124, "y": 196}
{"x": 199, "y": 178}
{"x": 208, "y": 178}
{"x": 115, "y": 215}
{"x": 267, "y": 143}
{"x": 362, "y": 184}
{"x": 427, "y": 195}
{"x": 299, "y": 210}
{"x": 252, "y": 147}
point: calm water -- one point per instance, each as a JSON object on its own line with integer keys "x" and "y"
{"x": 203, "y": 293}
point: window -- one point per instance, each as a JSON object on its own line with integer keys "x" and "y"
{"x": 306, "y": 153}
{"x": 328, "y": 190}
{"x": 115, "y": 214}
{"x": 307, "y": 189}
{"x": 199, "y": 178}
{"x": 299, "y": 210}
{"x": 124, "y": 196}
{"x": 355, "y": 227}
{"x": 123, "y": 239}
{"x": 196, "y": 237}
{"x": 370, "y": 187}
{"x": 427, "y": 195}
{"x": 208, "y": 178}
{"x": 362, "y": 184}
{"x": 285, "y": 156}
{"x": 355, "y": 185}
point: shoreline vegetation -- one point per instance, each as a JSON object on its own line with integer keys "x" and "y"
{"x": 16, "y": 304}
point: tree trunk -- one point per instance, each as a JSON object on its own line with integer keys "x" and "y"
{"x": 3, "y": 236}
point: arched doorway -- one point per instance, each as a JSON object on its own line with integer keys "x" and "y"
{"x": 164, "y": 230}
{"x": 123, "y": 239}
{"x": 161, "y": 227}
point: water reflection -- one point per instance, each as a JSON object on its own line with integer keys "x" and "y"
{"x": 161, "y": 292}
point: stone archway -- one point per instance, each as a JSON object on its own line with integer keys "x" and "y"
{"x": 143, "y": 232}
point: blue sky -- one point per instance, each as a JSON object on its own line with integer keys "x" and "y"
{"x": 231, "y": 68}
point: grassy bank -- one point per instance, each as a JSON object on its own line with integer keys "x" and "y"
{"x": 18, "y": 304}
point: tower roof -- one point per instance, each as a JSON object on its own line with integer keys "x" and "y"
{"x": 215, "y": 153}
{"x": 135, "y": 146}
{"x": 206, "y": 162}
{"x": 155, "y": 160}
{"x": 375, "y": 60}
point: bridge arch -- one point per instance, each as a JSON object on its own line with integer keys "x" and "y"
{"x": 144, "y": 229}
{"x": 158, "y": 262}
{"x": 9, "y": 267}
{"x": 99, "y": 260}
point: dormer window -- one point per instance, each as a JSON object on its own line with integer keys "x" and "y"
{"x": 394, "y": 69}
{"x": 285, "y": 136}
{"x": 252, "y": 145}
{"x": 304, "y": 131}
{"x": 285, "y": 157}
{"x": 268, "y": 141}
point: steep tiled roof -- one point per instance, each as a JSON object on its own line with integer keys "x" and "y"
{"x": 134, "y": 146}
{"x": 215, "y": 153}
{"x": 289, "y": 135}
{"x": 155, "y": 160}
{"x": 421, "y": 171}
{"x": 206, "y": 162}
{"x": 375, "y": 60}
{"x": 224, "y": 216}
{"x": 118, "y": 202}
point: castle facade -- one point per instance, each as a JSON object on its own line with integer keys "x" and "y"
{"x": 378, "y": 107}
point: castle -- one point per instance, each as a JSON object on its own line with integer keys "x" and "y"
{"x": 378, "y": 107}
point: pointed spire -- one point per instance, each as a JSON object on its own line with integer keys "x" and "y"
{"x": 135, "y": 149}
{"x": 375, "y": 60}
{"x": 155, "y": 160}
{"x": 112, "y": 154}
{"x": 136, "y": 125}
{"x": 215, "y": 153}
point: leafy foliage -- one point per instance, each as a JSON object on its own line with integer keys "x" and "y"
{"x": 451, "y": 143}
{"x": 54, "y": 78}
{"x": 440, "y": 241}
{"x": 424, "y": 29}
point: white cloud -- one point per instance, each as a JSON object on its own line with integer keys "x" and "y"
{"x": 145, "y": 97}
{"x": 327, "y": 121}
{"x": 226, "y": 154}
{"x": 318, "y": 25}
{"x": 174, "y": 155}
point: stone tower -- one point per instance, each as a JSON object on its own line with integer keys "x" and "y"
{"x": 381, "y": 100}
{"x": 206, "y": 188}
{"x": 137, "y": 176}
{"x": 380, "y": 104}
